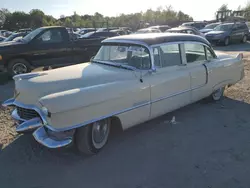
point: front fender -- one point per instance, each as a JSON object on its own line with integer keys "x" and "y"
{"x": 81, "y": 106}
{"x": 79, "y": 97}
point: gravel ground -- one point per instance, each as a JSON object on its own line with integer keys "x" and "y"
{"x": 208, "y": 147}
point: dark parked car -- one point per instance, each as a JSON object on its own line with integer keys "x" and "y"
{"x": 99, "y": 34}
{"x": 227, "y": 33}
{"x": 185, "y": 29}
{"x": 46, "y": 46}
{"x": 209, "y": 27}
{"x": 197, "y": 25}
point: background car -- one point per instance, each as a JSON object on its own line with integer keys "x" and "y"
{"x": 2, "y": 38}
{"x": 185, "y": 29}
{"x": 15, "y": 36}
{"x": 99, "y": 34}
{"x": 160, "y": 27}
{"x": 85, "y": 30}
{"x": 209, "y": 27}
{"x": 228, "y": 32}
{"x": 147, "y": 30}
{"x": 197, "y": 25}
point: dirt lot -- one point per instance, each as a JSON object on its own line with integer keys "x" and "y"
{"x": 208, "y": 147}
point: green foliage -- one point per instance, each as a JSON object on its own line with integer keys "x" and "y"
{"x": 36, "y": 18}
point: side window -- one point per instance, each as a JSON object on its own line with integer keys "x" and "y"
{"x": 209, "y": 54}
{"x": 170, "y": 55}
{"x": 242, "y": 26}
{"x": 51, "y": 36}
{"x": 157, "y": 61}
{"x": 139, "y": 57}
{"x": 194, "y": 52}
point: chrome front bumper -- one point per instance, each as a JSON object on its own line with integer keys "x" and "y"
{"x": 42, "y": 136}
{"x": 37, "y": 125}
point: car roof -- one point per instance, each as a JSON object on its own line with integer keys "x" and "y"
{"x": 156, "y": 38}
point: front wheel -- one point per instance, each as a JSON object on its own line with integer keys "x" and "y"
{"x": 90, "y": 139}
{"x": 244, "y": 39}
{"x": 18, "y": 66}
{"x": 226, "y": 42}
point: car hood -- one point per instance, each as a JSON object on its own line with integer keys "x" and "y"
{"x": 215, "y": 32}
{"x": 31, "y": 87}
{"x": 205, "y": 30}
{"x": 10, "y": 43}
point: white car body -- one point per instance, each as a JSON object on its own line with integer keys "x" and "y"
{"x": 67, "y": 98}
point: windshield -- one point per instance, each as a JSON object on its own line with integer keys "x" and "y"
{"x": 224, "y": 27}
{"x": 130, "y": 55}
{"x": 10, "y": 38}
{"x": 32, "y": 35}
{"x": 210, "y": 26}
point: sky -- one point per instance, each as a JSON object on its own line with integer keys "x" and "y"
{"x": 198, "y": 9}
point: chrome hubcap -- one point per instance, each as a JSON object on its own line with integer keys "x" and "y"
{"x": 217, "y": 94}
{"x": 100, "y": 132}
{"x": 19, "y": 68}
{"x": 227, "y": 41}
{"x": 244, "y": 39}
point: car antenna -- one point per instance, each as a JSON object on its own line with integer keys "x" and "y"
{"x": 141, "y": 80}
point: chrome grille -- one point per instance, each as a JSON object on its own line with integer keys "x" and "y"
{"x": 26, "y": 114}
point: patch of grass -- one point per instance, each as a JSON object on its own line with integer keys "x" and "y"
{"x": 4, "y": 78}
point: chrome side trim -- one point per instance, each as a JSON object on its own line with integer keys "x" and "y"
{"x": 43, "y": 138}
{"x": 169, "y": 96}
{"x": 97, "y": 119}
{"x": 12, "y": 102}
{"x": 29, "y": 125}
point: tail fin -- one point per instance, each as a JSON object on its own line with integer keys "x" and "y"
{"x": 240, "y": 56}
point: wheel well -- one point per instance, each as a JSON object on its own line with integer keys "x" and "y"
{"x": 116, "y": 124}
{"x": 16, "y": 57}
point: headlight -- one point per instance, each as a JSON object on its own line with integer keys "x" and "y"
{"x": 45, "y": 111}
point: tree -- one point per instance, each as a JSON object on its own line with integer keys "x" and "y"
{"x": 223, "y": 7}
{"x": 36, "y": 18}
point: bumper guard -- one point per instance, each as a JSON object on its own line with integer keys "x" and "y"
{"x": 43, "y": 138}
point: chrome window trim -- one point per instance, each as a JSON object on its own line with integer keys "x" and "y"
{"x": 133, "y": 42}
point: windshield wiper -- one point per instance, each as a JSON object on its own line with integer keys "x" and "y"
{"x": 115, "y": 65}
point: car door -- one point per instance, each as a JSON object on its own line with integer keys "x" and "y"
{"x": 50, "y": 48}
{"x": 170, "y": 83}
{"x": 195, "y": 59}
{"x": 236, "y": 34}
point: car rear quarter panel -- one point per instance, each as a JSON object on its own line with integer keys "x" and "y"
{"x": 223, "y": 71}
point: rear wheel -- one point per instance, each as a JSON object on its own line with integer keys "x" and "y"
{"x": 90, "y": 139}
{"x": 18, "y": 66}
{"x": 217, "y": 95}
{"x": 244, "y": 39}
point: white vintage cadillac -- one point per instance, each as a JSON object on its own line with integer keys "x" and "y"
{"x": 132, "y": 79}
